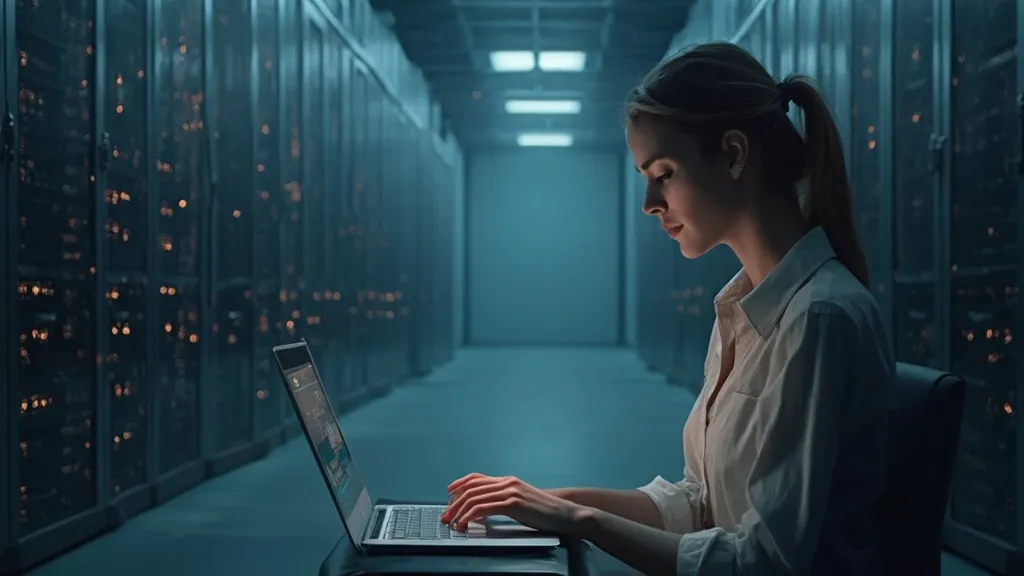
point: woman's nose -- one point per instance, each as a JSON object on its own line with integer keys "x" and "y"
{"x": 654, "y": 205}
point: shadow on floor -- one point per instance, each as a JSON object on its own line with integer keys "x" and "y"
{"x": 553, "y": 417}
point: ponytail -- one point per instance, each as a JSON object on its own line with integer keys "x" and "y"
{"x": 828, "y": 203}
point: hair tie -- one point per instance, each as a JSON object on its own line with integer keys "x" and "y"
{"x": 785, "y": 95}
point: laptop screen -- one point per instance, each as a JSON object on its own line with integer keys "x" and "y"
{"x": 332, "y": 452}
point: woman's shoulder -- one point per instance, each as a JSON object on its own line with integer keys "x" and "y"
{"x": 835, "y": 292}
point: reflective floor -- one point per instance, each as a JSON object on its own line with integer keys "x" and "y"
{"x": 553, "y": 417}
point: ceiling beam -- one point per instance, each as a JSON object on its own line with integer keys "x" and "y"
{"x": 464, "y": 28}
{"x": 542, "y": 4}
{"x": 519, "y": 25}
{"x": 449, "y": 75}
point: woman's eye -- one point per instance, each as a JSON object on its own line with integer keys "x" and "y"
{"x": 663, "y": 177}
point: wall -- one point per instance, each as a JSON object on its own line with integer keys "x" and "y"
{"x": 544, "y": 241}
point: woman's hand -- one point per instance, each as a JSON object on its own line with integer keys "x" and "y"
{"x": 477, "y": 496}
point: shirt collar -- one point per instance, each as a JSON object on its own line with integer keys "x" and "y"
{"x": 764, "y": 304}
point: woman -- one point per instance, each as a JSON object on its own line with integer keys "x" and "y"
{"x": 784, "y": 448}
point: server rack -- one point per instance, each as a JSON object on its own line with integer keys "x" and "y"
{"x": 9, "y": 398}
{"x": 268, "y": 144}
{"x": 206, "y": 169}
{"x": 929, "y": 99}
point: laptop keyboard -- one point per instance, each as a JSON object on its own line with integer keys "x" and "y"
{"x": 421, "y": 523}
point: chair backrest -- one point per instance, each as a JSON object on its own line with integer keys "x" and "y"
{"x": 924, "y": 430}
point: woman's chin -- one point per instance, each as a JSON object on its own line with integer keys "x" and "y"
{"x": 691, "y": 250}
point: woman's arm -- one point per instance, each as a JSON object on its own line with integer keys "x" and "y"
{"x": 649, "y": 550}
{"x": 790, "y": 481}
{"x": 630, "y": 504}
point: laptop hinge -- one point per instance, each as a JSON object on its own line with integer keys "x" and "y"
{"x": 377, "y": 520}
{"x": 371, "y": 529}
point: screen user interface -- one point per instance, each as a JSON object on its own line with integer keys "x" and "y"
{"x": 321, "y": 424}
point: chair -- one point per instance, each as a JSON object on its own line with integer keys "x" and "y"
{"x": 924, "y": 433}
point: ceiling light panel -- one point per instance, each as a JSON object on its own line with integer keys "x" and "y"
{"x": 542, "y": 106}
{"x": 549, "y": 140}
{"x": 513, "y": 61}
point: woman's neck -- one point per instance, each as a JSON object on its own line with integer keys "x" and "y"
{"x": 760, "y": 240}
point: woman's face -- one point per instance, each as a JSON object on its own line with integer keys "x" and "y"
{"x": 696, "y": 201}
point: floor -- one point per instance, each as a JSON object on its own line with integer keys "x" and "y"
{"x": 553, "y": 417}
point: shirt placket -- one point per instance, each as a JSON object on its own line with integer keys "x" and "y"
{"x": 725, "y": 334}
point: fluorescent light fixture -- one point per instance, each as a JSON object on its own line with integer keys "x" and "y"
{"x": 542, "y": 106}
{"x": 547, "y": 139}
{"x": 562, "y": 61}
{"x": 513, "y": 61}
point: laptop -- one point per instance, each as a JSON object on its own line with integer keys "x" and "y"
{"x": 371, "y": 526}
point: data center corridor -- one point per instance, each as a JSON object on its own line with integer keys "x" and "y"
{"x": 554, "y": 417}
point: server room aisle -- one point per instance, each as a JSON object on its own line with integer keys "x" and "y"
{"x": 553, "y": 417}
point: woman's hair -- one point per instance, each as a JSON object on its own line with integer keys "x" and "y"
{"x": 715, "y": 87}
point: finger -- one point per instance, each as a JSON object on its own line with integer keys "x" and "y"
{"x": 465, "y": 514}
{"x": 472, "y": 480}
{"x": 455, "y": 485}
{"x": 474, "y": 484}
{"x": 505, "y": 506}
{"x": 474, "y": 489}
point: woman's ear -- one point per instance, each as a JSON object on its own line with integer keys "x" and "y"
{"x": 737, "y": 150}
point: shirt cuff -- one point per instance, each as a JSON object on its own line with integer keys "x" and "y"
{"x": 674, "y": 503}
{"x": 711, "y": 551}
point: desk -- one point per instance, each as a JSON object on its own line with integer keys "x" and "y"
{"x": 573, "y": 558}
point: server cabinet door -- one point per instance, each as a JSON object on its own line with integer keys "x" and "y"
{"x": 357, "y": 237}
{"x": 128, "y": 256}
{"x": 410, "y": 199}
{"x": 345, "y": 226}
{"x": 383, "y": 252}
{"x": 405, "y": 238}
{"x": 444, "y": 256}
{"x": 10, "y": 398}
{"x": 231, "y": 106}
{"x": 771, "y": 40}
{"x": 915, "y": 182}
{"x": 313, "y": 131}
{"x": 984, "y": 238}
{"x": 332, "y": 322}
{"x": 837, "y": 55}
{"x": 787, "y": 42}
{"x": 389, "y": 243}
{"x": 756, "y": 41}
{"x": 867, "y": 147}
{"x": 425, "y": 275}
{"x": 375, "y": 262}
{"x": 826, "y": 47}
{"x": 55, "y": 313}
{"x": 808, "y": 28}
{"x": 178, "y": 101}
{"x": 293, "y": 212}
{"x": 266, "y": 217}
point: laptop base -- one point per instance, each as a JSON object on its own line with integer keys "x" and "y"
{"x": 495, "y": 537}
{"x": 572, "y": 558}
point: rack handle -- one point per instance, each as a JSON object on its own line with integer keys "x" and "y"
{"x": 7, "y": 138}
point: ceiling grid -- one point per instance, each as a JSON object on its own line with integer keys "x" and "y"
{"x": 452, "y": 40}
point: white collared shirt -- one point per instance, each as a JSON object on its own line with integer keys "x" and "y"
{"x": 785, "y": 470}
